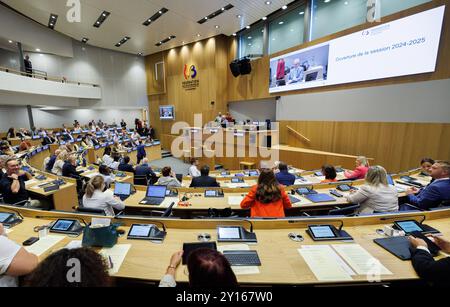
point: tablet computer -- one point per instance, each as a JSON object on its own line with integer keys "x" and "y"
{"x": 5, "y": 217}
{"x": 322, "y": 232}
{"x": 66, "y": 226}
{"x": 213, "y": 193}
{"x": 409, "y": 226}
{"x": 188, "y": 248}
{"x": 145, "y": 232}
{"x": 320, "y": 198}
{"x": 237, "y": 180}
{"x": 229, "y": 233}
{"x": 344, "y": 187}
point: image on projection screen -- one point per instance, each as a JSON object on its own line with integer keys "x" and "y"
{"x": 406, "y": 46}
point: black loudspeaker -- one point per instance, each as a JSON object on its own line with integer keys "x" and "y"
{"x": 269, "y": 141}
{"x": 268, "y": 124}
{"x": 235, "y": 68}
{"x": 246, "y": 67}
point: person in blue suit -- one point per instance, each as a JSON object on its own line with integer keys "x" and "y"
{"x": 141, "y": 154}
{"x": 435, "y": 193}
{"x": 283, "y": 176}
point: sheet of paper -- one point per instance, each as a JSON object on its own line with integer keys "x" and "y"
{"x": 100, "y": 222}
{"x": 91, "y": 175}
{"x": 239, "y": 270}
{"x": 31, "y": 182}
{"x": 360, "y": 260}
{"x": 8, "y": 230}
{"x": 323, "y": 264}
{"x": 235, "y": 200}
{"x": 168, "y": 200}
{"x": 74, "y": 244}
{"x": 231, "y": 185}
{"x": 44, "y": 244}
{"x": 117, "y": 254}
{"x": 299, "y": 182}
{"x": 338, "y": 259}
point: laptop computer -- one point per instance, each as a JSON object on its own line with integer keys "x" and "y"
{"x": 122, "y": 190}
{"x": 155, "y": 195}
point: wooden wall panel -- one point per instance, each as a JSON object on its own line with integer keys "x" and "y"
{"x": 396, "y": 146}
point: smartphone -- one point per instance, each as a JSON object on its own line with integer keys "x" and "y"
{"x": 30, "y": 241}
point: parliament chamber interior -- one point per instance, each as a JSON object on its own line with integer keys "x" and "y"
{"x": 225, "y": 144}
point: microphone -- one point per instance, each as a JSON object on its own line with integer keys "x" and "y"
{"x": 240, "y": 220}
{"x": 388, "y": 218}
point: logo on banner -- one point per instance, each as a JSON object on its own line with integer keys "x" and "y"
{"x": 190, "y": 73}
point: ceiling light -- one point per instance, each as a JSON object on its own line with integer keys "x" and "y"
{"x": 215, "y": 14}
{"x": 268, "y": 2}
{"x": 281, "y": 22}
{"x": 264, "y": 18}
{"x": 101, "y": 19}
{"x": 301, "y": 13}
{"x": 10, "y": 41}
{"x": 38, "y": 50}
{"x": 155, "y": 16}
{"x": 345, "y": 2}
{"x": 52, "y": 21}
{"x": 250, "y": 44}
{"x": 84, "y": 40}
{"x": 123, "y": 41}
{"x": 222, "y": 9}
{"x": 198, "y": 35}
{"x": 217, "y": 26}
{"x": 247, "y": 27}
{"x": 249, "y": 37}
{"x": 285, "y": 6}
{"x": 238, "y": 16}
{"x": 234, "y": 34}
{"x": 326, "y": 1}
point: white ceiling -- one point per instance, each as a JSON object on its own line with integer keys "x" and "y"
{"x": 127, "y": 17}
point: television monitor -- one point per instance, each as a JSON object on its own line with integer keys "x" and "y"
{"x": 167, "y": 112}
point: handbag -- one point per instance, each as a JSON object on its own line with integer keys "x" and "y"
{"x": 100, "y": 236}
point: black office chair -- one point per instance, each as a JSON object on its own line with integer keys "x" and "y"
{"x": 409, "y": 207}
{"x": 165, "y": 213}
{"x": 226, "y": 212}
{"x": 347, "y": 211}
{"x": 95, "y": 211}
{"x": 140, "y": 180}
{"x": 179, "y": 177}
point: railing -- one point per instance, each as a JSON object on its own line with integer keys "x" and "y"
{"x": 39, "y": 74}
{"x": 298, "y": 134}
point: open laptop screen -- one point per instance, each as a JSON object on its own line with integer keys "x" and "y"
{"x": 156, "y": 191}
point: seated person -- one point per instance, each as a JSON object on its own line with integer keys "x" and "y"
{"x": 437, "y": 272}
{"x": 267, "y": 198}
{"x": 283, "y": 176}
{"x": 125, "y": 166}
{"x": 12, "y": 185}
{"x": 3, "y": 159}
{"x": 15, "y": 261}
{"x": 145, "y": 170}
{"x": 168, "y": 178}
{"x": 435, "y": 193}
{"x": 204, "y": 180}
{"x": 5, "y": 149}
{"x": 59, "y": 163}
{"x": 116, "y": 161}
{"x": 296, "y": 74}
{"x": 48, "y": 138}
{"x": 330, "y": 173}
{"x": 94, "y": 197}
{"x": 193, "y": 170}
{"x": 70, "y": 168}
{"x": 107, "y": 158}
{"x": 93, "y": 271}
{"x": 376, "y": 195}
{"x": 25, "y": 145}
{"x": 362, "y": 166}
{"x": 50, "y": 161}
{"x": 11, "y": 134}
{"x": 425, "y": 165}
{"x": 207, "y": 269}
{"x": 107, "y": 175}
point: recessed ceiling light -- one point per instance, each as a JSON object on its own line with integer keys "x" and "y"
{"x": 103, "y": 14}
{"x": 326, "y": 1}
{"x": 217, "y": 26}
{"x": 250, "y": 44}
{"x": 223, "y": 9}
{"x": 268, "y": 2}
{"x": 160, "y": 12}
{"x": 285, "y": 6}
{"x": 38, "y": 50}
{"x": 10, "y": 41}
{"x": 198, "y": 35}
{"x": 264, "y": 18}
{"x": 183, "y": 43}
{"x": 249, "y": 37}
{"x": 101, "y": 19}
{"x": 247, "y": 27}
{"x": 238, "y": 16}
{"x": 234, "y": 34}
{"x": 345, "y": 2}
{"x": 281, "y": 22}
{"x": 155, "y": 16}
{"x": 206, "y": 18}
{"x": 301, "y": 13}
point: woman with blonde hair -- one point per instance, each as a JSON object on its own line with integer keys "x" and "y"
{"x": 267, "y": 198}
{"x": 96, "y": 197}
{"x": 59, "y": 163}
{"x": 376, "y": 195}
{"x": 362, "y": 166}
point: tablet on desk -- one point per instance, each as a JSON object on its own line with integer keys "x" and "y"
{"x": 229, "y": 233}
{"x": 409, "y": 226}
{"x": 62, "y": 225}
{"x": 213, "y": 193}
{"x": 320, "y": 232}
{"x": 145, "y": 232}
{"x": 237, "y": 180}
{"x": 188, "y": 248}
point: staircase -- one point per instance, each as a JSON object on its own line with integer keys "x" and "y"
{"x": 165, "y": 154}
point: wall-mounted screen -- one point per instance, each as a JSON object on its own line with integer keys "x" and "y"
{"x": 166, "y": 112}
{"x": 402, "y": 47}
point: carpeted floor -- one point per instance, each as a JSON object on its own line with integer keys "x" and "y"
{"x": 177, "y": 165}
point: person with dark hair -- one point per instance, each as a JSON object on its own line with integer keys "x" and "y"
{"x": 11, "y": 134}
{"x": 168, "y": 178}
{"x": 97, "y": 197}
{"x": 105, "y": 172}
{"x": 123, "y": 124}
{"x": 28, "y": 65}
{"x": 70, "y": 168}
{"x": 138, "y": 126}
{"x": 267, "y": 198}
{"x": 54, "y": 270}
{"x": 125, "y": 166}
{"x": 193, "y": 170}
{"x": 283, "y": 176}
{"x": 204, "y": 180}
{"x": 330, "y": 173}
{"x": 207, "y": 269}
{"x": 107, "y": 159}
{"x": 141, "y": 153}
{"x": 116, "y": 161}
{"x": 425, "y": 165}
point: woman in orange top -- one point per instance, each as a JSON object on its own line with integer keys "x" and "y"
{"x": 267, "y": 198}
{"x": 329, "y": 172}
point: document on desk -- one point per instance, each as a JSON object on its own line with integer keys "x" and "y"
{"x": 322, "y": 262}
{"x": 31, "y": 182}
{"x": 235, "y": 200}
{"x": 8, "y": 230}
{"x": 117, "y": 254}
{"x": 338, "y": 259}
{"x": 303, "y": 201}
{"x": 360, "y": 260}
{"x": 168, "y": 201}
{"x": 239, "y": 270}
{"x": 74, "y": 244}
{"x": 44, "y": 244}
